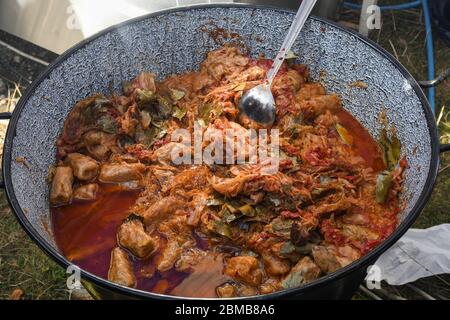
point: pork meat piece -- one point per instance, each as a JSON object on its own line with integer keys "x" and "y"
{"x": 275, "y": 266}
{"x": 160, "y": 209}
{"x": 99, "y": 144}
{"x": 319, "y": 105}
{"x": 231, "y": 187}
{"x": 247, "y": 291}
{"x": 245, "y": 269}
{"x": 121, "y": 172}
{"x": 347, "y": 254}
{"x": 121, "y": 269}
{"x": 171, "y": 253}
{"x": 61, "y": 190}
{"x": 133, "y": 237}
{"x": 227, "y": 290}
{"x": 310, "y": 91}
{"x": 86, "y": 193}
{"x": 179, "y": 238}
{"x": 269, "y": 286}
{"x": 84, "y": 168}
{"x": 303, "y": 272}
{"x": 172, "y": 151}
{"x": 325, "y": 258}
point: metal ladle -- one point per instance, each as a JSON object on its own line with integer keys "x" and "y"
{"x": 258, "y": 103}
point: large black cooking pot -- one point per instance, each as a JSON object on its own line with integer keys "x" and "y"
{"x": 175, "y": 41}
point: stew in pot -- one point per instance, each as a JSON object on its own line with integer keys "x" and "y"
{"x": 124, "y": 209}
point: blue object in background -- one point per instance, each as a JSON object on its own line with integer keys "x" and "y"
{"x": 429, "y": 37}
{"x": 402, "y": 6}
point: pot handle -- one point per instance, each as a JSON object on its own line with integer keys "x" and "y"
{"x": 445, "y": 148}
{"x": 433, "y": 83}
{"x": 4, "y": 116}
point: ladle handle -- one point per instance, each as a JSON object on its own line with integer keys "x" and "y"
{"x": 299, "y": 21}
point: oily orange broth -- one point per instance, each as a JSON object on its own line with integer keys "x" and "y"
{"x": 363, "y": 143}
{"x": 86, "y": 232}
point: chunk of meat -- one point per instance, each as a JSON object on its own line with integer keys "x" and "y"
{"x": 61, "y": 191}
{"x": 170, "y": 254}
{"x": 304, "y": 271}
{"x": 246, "y": 290}
{"x": 198, "y": 207}
{"x": 330, "y": 257}
{"x": 231, "y": 187}
{"x": 179, "y": 237}
{"x": 325, "y": 258}
{"x": 356, "y": 232}
{"x": 203, "y": 80}
{"x": 328, "y": 121}
{"x": 172, "y": 153}
{"x": 310, "y": 91}
{"x": 188, "y": 83}
{"x": 161, "y": 209}
{"x": 84, "y": 168}
{"x": 133, "y": 237}
{"x": 227, "y": 290}
{"x": 269, "y": 286}
{"x": 347, "y": 254}
{"x": 121, "y": 172}
{"x": 86, "y": 193}
{"x": 99, "y": 144}
{"x": 275, "y": 266}
{"x": 244, "y": 268}
{"x": 319, "y": 105}
{"x": 253, "y": 73}
{"x": 121, "y": 269}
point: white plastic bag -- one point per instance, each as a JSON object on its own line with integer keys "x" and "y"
{"x": 418, "y": 254}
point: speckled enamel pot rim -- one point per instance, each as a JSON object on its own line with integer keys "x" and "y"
{"x": 320, "y": 283}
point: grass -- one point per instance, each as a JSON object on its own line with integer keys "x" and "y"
{"x": 25, "y": 271}
{"x": 24, "y": 266}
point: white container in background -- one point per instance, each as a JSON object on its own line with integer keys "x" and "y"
{"x": 59, "y": 24}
